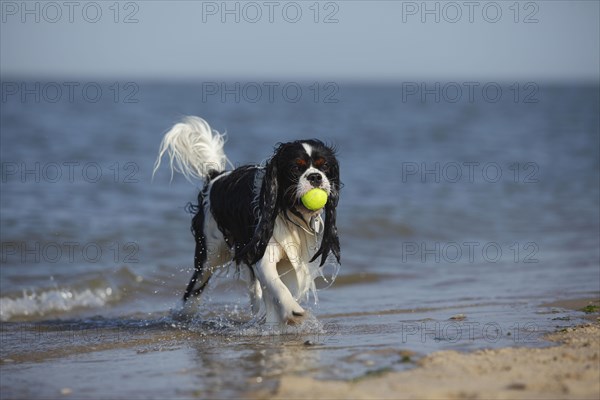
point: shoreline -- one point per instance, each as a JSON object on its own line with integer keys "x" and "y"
{"x": 570, "y": 369}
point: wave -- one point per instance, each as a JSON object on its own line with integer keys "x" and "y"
{"x": 52, "y": 301}
{"x": 89, "y": 291}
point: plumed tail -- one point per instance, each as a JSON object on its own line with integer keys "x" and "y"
{"x": 195, "y": 150}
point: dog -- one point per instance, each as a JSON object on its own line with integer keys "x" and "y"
{"x": 253, "y": 216}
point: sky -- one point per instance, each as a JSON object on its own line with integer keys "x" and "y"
{"x": 342, "y": 40}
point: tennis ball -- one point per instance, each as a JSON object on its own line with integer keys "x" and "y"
{"x": 314, "y": 199}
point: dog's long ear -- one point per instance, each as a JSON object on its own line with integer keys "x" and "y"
{"x": 268, "y": 208}
{"x": 330, "y": 241}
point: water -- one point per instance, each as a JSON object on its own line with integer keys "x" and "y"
{"x": 482, "y": 211}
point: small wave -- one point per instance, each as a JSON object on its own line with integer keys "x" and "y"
{"x": 52, "y": 301}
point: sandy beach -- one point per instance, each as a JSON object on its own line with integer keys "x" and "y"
{"x": 568, "y": 370}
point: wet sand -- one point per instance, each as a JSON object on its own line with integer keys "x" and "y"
{"x": 570, "y": 370}
{"x": 145, "y": 359}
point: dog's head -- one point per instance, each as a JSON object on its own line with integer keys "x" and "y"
{"x": 296, "y": 168}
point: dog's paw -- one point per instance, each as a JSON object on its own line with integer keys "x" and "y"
{"x": 295, "y": 317}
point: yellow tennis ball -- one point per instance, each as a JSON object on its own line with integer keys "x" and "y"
{"x": 314, "y": 199}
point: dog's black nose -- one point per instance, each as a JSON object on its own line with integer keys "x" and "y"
{"x": 315, "y": 179}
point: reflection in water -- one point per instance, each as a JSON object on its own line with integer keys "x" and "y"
{"x": 251, "y": 364}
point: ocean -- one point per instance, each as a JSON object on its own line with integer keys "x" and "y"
{"x": 466, "y": 209}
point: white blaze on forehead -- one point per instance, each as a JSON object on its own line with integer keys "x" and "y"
{"x": 307, "y": 148}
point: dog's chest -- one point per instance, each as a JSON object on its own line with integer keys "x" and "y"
{"x": 298, "y": 240}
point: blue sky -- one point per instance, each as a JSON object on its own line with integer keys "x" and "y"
{"x": 342, "y": 40}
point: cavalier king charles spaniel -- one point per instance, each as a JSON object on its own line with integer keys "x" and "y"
{"x": 253, "y": 215}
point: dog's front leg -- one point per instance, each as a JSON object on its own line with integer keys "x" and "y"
{"x": 280, "y": 305}
{"x": 256, "y": 296}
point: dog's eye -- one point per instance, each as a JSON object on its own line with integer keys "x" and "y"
{"x": 321, "y": 164}
{"x": 298, "y": 165}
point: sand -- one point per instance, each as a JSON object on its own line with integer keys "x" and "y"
{"x": 570, "y": 370}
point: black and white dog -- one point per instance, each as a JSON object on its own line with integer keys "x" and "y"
{"x": 253, "y": 216}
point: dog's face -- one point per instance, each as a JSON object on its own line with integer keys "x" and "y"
{"x": 295, "y": 168}
{"x": 303, "y": 166}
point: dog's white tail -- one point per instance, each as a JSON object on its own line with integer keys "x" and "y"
{"x": 195, "y": 150}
